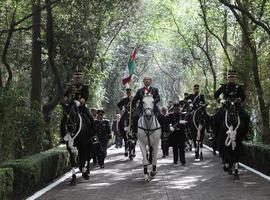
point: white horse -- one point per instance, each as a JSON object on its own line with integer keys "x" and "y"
{"x": 149, "y": 133}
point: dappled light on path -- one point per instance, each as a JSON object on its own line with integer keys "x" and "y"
{"x": 122, "y": 179}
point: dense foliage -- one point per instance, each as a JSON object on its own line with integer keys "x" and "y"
{"x": 179, "y": 43}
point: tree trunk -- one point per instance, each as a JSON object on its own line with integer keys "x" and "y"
{"x": 36, "y": 57}
{"x": 264, "y": 110}
{"x": 225, "y": 41}
{"x": 48, "y": 107}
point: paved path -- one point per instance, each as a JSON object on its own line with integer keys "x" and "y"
{"x": 122, "y": 179}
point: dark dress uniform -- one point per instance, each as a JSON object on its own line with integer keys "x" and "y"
{"x": 164, "y": 134}
{"x": 124, "y": 103}
{"x": 177, "y": 138}
{"x": 103, "y": 134}
{"x": 196, "y": 99}
{"x": 229, "y": 90}
{"x": 139, "y": 110}
{"x": 76, "y": 92}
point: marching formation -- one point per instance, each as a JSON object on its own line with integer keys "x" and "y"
{"x": 180, "y": 125}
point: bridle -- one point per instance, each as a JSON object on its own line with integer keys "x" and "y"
{"x": 231, "y": 133}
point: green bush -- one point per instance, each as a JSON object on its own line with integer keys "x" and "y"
{"x": 22, "y": 130}
{"x": 255, "y": 155}
{"x": 6, "y": 183}
{"x": 34, "y": 172}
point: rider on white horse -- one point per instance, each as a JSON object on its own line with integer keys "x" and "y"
{"x": 147, "y": 89}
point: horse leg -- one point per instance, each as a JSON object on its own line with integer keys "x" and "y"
{"x": 145, "y": 161}
{"x": 73, "y": 163}
{"x": 236, "y": 164}
{"x": 83, "y": 161}
{"x": 197, "y": 149}
{"x": 201, "y": 150}
{"x": 126, "y": 146}
{"x": 226, "y": 158}
{"x": 154, "y": 157}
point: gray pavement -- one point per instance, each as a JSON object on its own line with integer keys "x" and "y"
{"x": 122, "y": 179}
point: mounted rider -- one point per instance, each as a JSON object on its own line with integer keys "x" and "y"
{"x": 147, "y": 89}
{"x": 230, "y": 90}
{"x": 77, "y": 91}
{"x": 195, "y": 99}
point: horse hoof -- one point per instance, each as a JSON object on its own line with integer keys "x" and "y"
{"x": 85, "y": 176}
{"x": 146, "y": 177}
{"x": 197, "y": 157}
{"x": 126, "y": 154}
{"x": 153, "y": 173}
{"x": 130, "y": 158}
{"x": 73, "y": 180}
{"x": 236, "y": 176}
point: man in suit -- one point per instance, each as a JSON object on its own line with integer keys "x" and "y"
{"x": 147, "y": 89}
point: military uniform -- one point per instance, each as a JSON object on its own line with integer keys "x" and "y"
{"x": 177, "y": 138}
{"x": 196, "y": 99}
{"x": 103, "y": 134}
{"x": 124, "y": 105}
{"x": 164, "y": 134}
{"x": 229, "y": 90}
{"x": 76, "y": 92}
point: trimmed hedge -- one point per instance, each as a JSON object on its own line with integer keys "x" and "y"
{"x": 6, "y": 183}
{"x": 255, "y": 155}
{"x": 34, "y": 172}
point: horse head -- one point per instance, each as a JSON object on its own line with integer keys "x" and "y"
{"x": 201, "y": 115}
{"x": 232, "y": 106}
{"x": 71, "y": 111}
{"x": 148, "y": 105}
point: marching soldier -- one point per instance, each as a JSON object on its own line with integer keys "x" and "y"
{"x": 124, "y": 107}
{"x": 164, "y": 131}
{"x": 104, "y": 135}
{"x": 79, "y": 92}
{"x": 177, "y": 138}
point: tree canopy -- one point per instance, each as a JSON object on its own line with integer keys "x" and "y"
{"x": 179, "y": 43}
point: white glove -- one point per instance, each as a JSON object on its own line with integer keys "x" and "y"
{"x": 77, "y": 103}
{"x": 171, "y": 128}
{"x": 126, "y": 128}
{"x": 222, "y": 101}
{"x": 182, "y": 121}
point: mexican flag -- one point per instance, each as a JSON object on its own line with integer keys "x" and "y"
{"x": 130, "y": 68}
